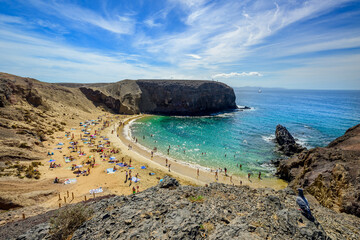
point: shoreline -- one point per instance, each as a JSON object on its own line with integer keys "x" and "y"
{"x": 182, "y": 169}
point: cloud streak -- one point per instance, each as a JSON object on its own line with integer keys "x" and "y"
{"x": 236, "y": 74}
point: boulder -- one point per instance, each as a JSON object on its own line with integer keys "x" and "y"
{"x": 286, "y": 141}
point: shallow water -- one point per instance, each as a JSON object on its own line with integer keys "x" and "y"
{"x": 315, "y": 118}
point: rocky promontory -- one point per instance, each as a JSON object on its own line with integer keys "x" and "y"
{"x": 219, "y": 211}
{"x": 165, "y": 97}
{"x": 286, "y": 141}
{"x": 331, "y": 174}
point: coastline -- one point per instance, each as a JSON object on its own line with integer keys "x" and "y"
{"x": 179, "y": 168}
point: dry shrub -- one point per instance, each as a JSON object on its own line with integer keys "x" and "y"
{"x": 67, "y": 220}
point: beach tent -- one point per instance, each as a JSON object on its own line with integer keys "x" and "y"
{"x": 96, "y": 190}
{"x": 135, "y": 179}
{"x": 110, "y": 170}
{"x": 70, "y": 180}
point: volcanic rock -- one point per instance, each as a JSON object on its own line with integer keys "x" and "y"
{"x": 286, "y": 141}
{"x": 331, "y": 174}
{"x": 165, "y": 97}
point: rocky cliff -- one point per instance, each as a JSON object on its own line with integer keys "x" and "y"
{"x": 331, "y": 174}
{"x": 165, "y": 97}
{"x": 170, "y": 211}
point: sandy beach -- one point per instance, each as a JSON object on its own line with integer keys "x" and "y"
{"x": 42, "y": 195}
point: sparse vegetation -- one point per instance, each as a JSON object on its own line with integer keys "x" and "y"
{"x": 198, "y": 199}
{"x": 17, "y": 169}
{"x": 67, "y": 220}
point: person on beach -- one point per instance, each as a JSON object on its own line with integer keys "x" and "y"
{"x": 249, "y": 174}
{"x": 225, "y": 169}
{"x": 216, "y": 175}
{"x": 137, "y": 188}
{"x": 260, "y": 175}
{"x": 166, "y": 162}
{"x": 169, "y": 167}
{"x": 126, "y": 176}
{"x": 198, "y": 172}
{"x": 240, "y": 167}
{"x": 152, "y": 154}
{"x": 240, "y": 182}
{"x": 231, "y": 179}
{"x": 168, "y": 151}
{"x": 134, "y": 190}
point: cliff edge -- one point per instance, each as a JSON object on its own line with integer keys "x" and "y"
{"x": 164, "y": 97}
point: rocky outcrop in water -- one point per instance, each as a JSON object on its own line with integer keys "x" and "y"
{"x": 286, "y": 141}
{"x": 165, "y": 97}
{"x": 171, "y": 211}
{"x": 331, "y": 174}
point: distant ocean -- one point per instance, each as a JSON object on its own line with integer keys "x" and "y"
{"x": 314, "y": 117}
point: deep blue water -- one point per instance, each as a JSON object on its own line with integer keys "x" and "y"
{"x": 314, "y": 117}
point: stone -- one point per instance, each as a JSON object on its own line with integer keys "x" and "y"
{"x": 286, "y": 141}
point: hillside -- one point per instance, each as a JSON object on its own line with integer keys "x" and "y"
{"x": 171, "y": 211}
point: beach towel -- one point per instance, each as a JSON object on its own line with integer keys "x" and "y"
{"x": 110, "y": 170}
{"x": 60, "y": 144}
{"x": 67, "y": 160}
{"x": 131, "y": 168}
{"x": 70, "y": 181}
{"x": 79, "y": 166}
{"x": 151, "y": 174}
{"x": 161, "y": 180}
{"x": 106, "y": 139}
{"x": 143, "y": 167}
{"x": 112, "y": 158}
{"x": 120, "y": 164}
{"x": 96, "y": 190}
{"x": 52, "y": 160}
{"x": 135, "y": 179}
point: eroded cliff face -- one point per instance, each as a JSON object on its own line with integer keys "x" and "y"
{"x": 166, "y": 97}
{"x": 330, "y": 174}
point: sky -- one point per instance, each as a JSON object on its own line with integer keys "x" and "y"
{"x": 313, "y": 44}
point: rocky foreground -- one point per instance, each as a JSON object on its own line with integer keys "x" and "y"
{"x": 170, "y": 211}
{"x": 331, "y": 174}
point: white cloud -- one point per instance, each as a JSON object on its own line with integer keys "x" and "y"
{"x": 194, "y": 56}
{"x": 235, "y": 74}
{"x": 151, "y": 23}
{"x": 111, "y": 22}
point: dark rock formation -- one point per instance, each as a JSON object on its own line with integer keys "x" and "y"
{"x": 215, "y": 212}
{"x": 165, "y": 97}
{"x": 286, "y": 141}
{"x": 330, "y": 174}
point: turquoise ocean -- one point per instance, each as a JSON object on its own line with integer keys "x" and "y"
{"x": 314, "y": 117}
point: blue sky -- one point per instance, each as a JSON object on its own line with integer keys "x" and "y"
{"x": 312, "y": 44}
